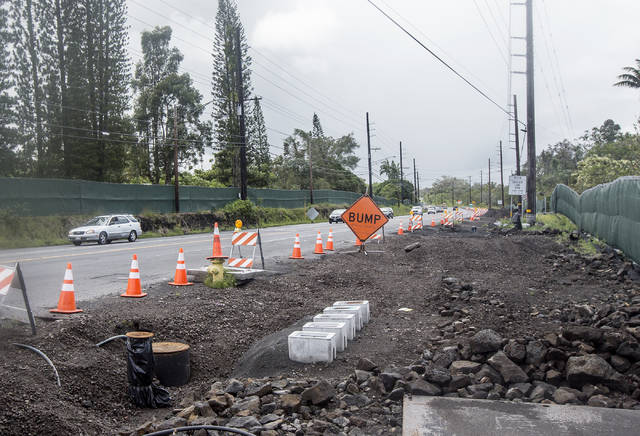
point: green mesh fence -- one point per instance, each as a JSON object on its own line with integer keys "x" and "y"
{"x": 38, "y": 197}
{"x": 610, "y": 212}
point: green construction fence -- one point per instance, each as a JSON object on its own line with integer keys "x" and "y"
{"x": 611, "y": 212}
{"x": 38, "y": 197}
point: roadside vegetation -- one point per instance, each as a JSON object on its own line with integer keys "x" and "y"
{"x": 23, "y": 232}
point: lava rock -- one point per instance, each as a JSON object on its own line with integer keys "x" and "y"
{"x": 445, "y": 357}
{"x": 515, "y": 350}
{"x": 590, "y": 369}
{"x": 244, "y": 422}
{"x": 320, "y": 393}
{"x": 576, "y": 332}
{"x": 365, "y": 364}
{"x": 389, "y": 379}
{"x": 630, "y": 350}
{"x": 437, "y": 375}
{"x": 565, "y": 396}
{"x": 620, "y": 363}
{"x": 234, "y": 387}
{"x": 486, "y": 341}
{"x": 510, "y": 372}
{"x": 290, "y": 402}
{"x": 464, "y": 367}
{"x": 536, "y": 352}
{"x": 459, "y": 381}
{"x": 601, "y": 401}
{"x": 421, "y": 387}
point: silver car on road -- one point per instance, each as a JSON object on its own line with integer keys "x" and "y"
{"x": 106, "y": 228}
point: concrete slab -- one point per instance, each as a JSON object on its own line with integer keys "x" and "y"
{"x": 440, "y": 416}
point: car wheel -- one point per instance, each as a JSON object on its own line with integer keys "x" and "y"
{"x": 76, "y": 243}
{"x": 133, "y": 236}
{"x": 102, "y": 238}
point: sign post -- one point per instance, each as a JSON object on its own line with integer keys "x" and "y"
{"x": 364, "y": 218}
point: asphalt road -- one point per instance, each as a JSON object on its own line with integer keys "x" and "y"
{"x": 104, "y": 269}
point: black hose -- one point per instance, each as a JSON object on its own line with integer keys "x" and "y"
{"x": 99, "y": 344}
{"x": 198, "y": 427}
{"x": 44, "y": 356}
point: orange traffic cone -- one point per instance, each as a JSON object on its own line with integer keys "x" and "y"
{"x": 67, "y": 300}
{"x": 400, "y": 231}
{"x": 180, "y": 279}
{"x": 329, "y": 246}
{"x": 319, "y": 249}
{"x": 433, "y": 222}
{"x": 297, "y": 253}
{"x": 217, "y": 247}
{"x": 133, "y": 285}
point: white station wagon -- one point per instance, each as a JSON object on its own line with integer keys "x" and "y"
{"x": 106, "y": 228}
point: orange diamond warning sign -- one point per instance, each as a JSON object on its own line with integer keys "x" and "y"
{"x": 364, "y": 217}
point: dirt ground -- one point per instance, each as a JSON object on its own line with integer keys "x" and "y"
{"x": 521, "y": 285}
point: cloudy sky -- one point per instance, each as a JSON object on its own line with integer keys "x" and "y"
{"x": 342, "y": 58}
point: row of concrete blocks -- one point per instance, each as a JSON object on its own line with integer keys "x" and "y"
{"x": 330, "y": 331}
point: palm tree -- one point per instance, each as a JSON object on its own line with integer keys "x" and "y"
{"x": 630, "y": 79}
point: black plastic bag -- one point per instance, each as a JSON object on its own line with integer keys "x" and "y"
{"x": 140, "y": 365}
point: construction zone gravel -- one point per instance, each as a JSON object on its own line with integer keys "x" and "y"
{"x": 486, "y": 314}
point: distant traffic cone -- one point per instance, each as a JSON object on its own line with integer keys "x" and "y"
{"x": 400, "y": 231}
{"x": 329, "y": 246}
{"x": 133, "y": 285}
{"x": 67, "y": 300}
{"x": 217, "y": 247}
{"x": 318, "y": 249}
{"x": 180, "y": 279}
{"x": 297, "y": 253}
{"x": 433, "y": 222}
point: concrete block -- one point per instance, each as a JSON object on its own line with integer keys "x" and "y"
{"x": 347, "y": 318}
{"x": 347, "y": 309}
{"x": 363, "y": 304}
{"x": 339, "y": 328}
{"x": 310, "y": 347}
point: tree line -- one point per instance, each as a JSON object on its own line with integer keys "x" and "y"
{"x": 73, "y": 104}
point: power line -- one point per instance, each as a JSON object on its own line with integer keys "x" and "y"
{"x": 486, "y": 25}
{"x": 439, "y": 59}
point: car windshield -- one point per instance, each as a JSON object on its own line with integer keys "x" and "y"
{"x": 338, "y": 212}
{"x": 97, "y": 221}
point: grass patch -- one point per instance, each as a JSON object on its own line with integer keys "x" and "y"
{"x": 586, "y": 246}
{"x": 228, "y": 281}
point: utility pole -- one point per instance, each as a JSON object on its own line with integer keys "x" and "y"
{"x": 401, "y": 176}
{"x": 175, "y": 161}
{"x": 470, "y": 190}
{"x": 501, "y": 175}
{"x": 418, "y": 180}
{"x": 369, "y": 151}
{"x": 517, "y": 137}
{"x": 414, "y": 181}
{"x": 531, "y": 118}
{"x": 489, "y": 185}
{"x": 480, "y": 186}
{"x": 243, "y": 146}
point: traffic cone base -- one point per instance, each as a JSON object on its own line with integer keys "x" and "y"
{"x": 180, "y": 278}
{"x": 297, "y": 253}
{"x": 67, "y": 299}
{"x": 400, "y": 230}
{"x": 133, "y": 284}
{"x": 318, "y": 249}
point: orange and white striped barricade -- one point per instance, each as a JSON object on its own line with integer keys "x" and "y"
{"x": 14, "y": 303}
{"x": 417, "y": 222}
{"x": 376, "y": 237}
{"x": 238, "y": 240}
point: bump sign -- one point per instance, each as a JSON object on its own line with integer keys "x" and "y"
{"x": 364, "y": 217}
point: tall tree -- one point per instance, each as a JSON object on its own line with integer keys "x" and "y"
{"x": 161, "y": 95}
{"x": 631, "y": 78}
{"x": 8, "y": 132}
{"x": 225, "y": 91}
{"x": 258, "y": 153}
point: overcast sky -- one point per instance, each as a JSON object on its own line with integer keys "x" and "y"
{"x": 342, "y": 58}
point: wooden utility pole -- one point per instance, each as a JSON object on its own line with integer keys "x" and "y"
{"x": 369, "y": 153}
{"x": 501, "y": 175}
{"x": 418, "y": 185}
{"x": 489, "y": 184}
{"x": 469, "y": 190}
{"x": 531, "y": 118}
{"x": 176, "y": 182}
{"x": 414, "y": 181}
{"x": 453, "y": 192}
{"x": 243, "y": 145}
{"x": 401, "y": 176}
{"x": 480, "y": 186}
{"x": 517, "y": 138}
{"x": 310, "y": 171}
